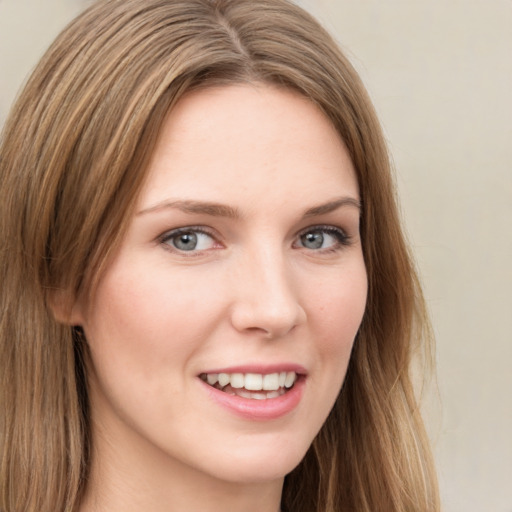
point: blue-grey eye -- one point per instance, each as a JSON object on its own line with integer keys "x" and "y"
{"x": 323, "y": 238}
{"x": 189, "y": 240}
{"x": 312, "y": 240}
{"x": 185, "y": 241}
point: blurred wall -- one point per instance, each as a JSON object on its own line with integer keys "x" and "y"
{"x": 27, "y": 27}
{"x": 440, "y": 74}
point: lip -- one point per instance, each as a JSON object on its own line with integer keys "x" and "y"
{"x": 260, "y": 368}
{"x": 259, "y": 410}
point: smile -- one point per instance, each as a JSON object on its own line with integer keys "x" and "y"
{"x": 255, "y": 386}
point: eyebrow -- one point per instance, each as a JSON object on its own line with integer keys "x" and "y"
{"x": 221, "y": 210}
{"x": 198, "y": 207}
{"x": 332, "y": 206}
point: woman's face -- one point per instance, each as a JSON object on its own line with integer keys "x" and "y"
{"x": 221, "y": 332}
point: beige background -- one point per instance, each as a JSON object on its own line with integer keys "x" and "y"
{"x": 440, "y": 73}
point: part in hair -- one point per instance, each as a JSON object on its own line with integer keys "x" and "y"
{"x": 74, "y": 152}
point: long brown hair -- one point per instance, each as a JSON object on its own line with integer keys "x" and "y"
{"x": 73, "y": 155}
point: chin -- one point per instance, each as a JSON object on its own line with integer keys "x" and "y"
{"x": 260, "y": 463}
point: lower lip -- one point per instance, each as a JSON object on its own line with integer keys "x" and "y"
{"x": 259, "y": 410}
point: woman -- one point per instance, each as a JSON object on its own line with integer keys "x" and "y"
{"x": 207, "y": 300}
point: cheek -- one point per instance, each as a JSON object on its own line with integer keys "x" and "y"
{"x": 336, "y": 312}
{"x": 142, "y": 334}
{"x": 149, "y": 315}
{"x": 338, "y": 309}
{"x": 126, "y": 326}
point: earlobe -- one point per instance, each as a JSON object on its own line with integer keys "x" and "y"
{"x": 66, "y": 309}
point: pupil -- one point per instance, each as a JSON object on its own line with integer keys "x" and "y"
{"x": 186, "y": 242}
{"x": 313, "y": 240}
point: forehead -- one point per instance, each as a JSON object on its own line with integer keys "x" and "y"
{"x": 228, "y": 143}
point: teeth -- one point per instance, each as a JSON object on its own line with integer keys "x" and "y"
{"x": 212, "y": 378}
{"x": 252, "y": 382}
{"x": 271, "y": 382}
{"x": 244, "y": 394}
{"x": 290, "y": 379}
{"x": 224, "y": 379}
{"x": 237, "y": 380}
{"x": 258, "y": 396}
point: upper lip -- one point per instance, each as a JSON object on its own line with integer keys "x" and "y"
{"x": 263, "y": 369}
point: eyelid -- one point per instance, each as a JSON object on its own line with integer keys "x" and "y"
{"x": 184, "y": 229}
{"x": 171, "y": 233}
{"x": 341, "y": 235}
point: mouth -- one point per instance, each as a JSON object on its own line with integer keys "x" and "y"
{"x": 256, "y": 386}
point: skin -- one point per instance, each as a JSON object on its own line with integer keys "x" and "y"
{"x": 253, "y": 291}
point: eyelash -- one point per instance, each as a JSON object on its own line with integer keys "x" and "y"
{"x": 340, "y": 236}
{"x": 175, "y": 233}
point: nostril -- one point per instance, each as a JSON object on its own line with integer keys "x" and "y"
{"x": 266, "y": 300}
{"x": 266, "y": 322}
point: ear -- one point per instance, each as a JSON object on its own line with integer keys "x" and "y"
{"x": 65, "y": 307}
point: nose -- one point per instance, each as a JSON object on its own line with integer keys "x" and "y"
{"x": 266, "y": 297}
